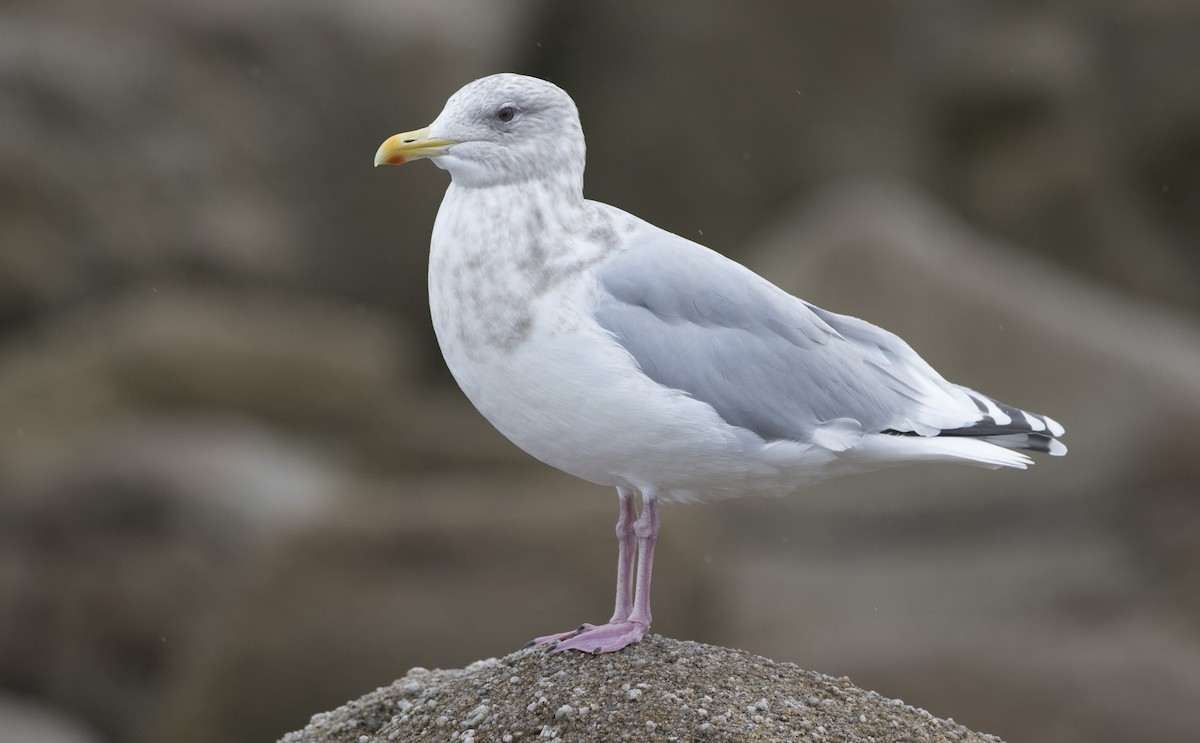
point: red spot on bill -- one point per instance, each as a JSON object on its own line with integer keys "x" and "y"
{"x": 395, "y": 160}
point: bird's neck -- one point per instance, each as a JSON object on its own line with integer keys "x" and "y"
{"x": 497, "y": 252}
{"x": 522, "y": 225}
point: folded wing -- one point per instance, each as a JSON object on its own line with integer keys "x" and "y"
{"x": 778, "y": 366}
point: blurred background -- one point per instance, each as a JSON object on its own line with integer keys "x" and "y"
{"x": 237, "y": 486}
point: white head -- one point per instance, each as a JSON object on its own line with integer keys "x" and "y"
{"x": 501, "y": 129}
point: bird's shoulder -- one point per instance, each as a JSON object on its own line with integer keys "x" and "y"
{"x": 678, "y": 280}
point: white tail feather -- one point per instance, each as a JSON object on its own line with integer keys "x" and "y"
{"x": 888, "y": 448}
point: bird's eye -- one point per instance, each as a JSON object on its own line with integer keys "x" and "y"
{"x": 506, "y": 114}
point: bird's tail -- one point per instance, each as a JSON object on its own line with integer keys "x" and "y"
{"x": 995, "y": 437}
{"x": 1011, "y": 428}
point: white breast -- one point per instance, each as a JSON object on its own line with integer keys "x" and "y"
{"x": 529, "y": 355}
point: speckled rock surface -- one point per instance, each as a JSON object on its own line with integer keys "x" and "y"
{"x": 660, "y": 689}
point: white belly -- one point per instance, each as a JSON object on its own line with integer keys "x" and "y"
{"x": 520, "y": 339}
{"x": 572, "y": 397}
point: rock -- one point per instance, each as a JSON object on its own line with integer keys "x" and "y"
{"x": 1011, "y": 114}
{"x": 959, "y": 588}
{"x": 22, "y": 721}
{"x": 223, "y": 139}
{"x": 212, "y": 312}
{"x": 106, "y": 568}
{"x": 435, "y": 571}
{"x": 685, "y": 691}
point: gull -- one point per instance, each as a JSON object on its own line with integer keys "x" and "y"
{"x": 636, "y": 359}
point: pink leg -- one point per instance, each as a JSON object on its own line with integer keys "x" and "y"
{"x": 625, "y": 552}
{"x": 647, "y": 534}
{"x": 631, "y": 619}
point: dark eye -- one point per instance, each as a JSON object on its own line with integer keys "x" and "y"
{"x": 506, "y": 114}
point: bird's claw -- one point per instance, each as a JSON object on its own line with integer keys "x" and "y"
{"x": 552, "y": 641}
{"x": 595, "y": 639}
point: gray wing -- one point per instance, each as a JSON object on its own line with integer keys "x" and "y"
{"x": 764, "y": 360}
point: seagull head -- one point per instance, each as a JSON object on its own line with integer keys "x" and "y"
{"x": 498, "y": 130}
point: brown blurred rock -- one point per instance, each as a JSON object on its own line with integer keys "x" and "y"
{"x": 224, "y": 140}
{"x": 327, "y": 368}
{"x": 419, "y": 573}
{"x": 104, "y": 568}
{"x": 973, "y": 590}
{"x": 22, "y": 721}
{"x": 213, "y": 328}
{"x": 1069, "y": 129}
{"x": 197, "y": 289}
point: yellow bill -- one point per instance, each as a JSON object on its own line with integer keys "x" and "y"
{"x": 414, "y": 145}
